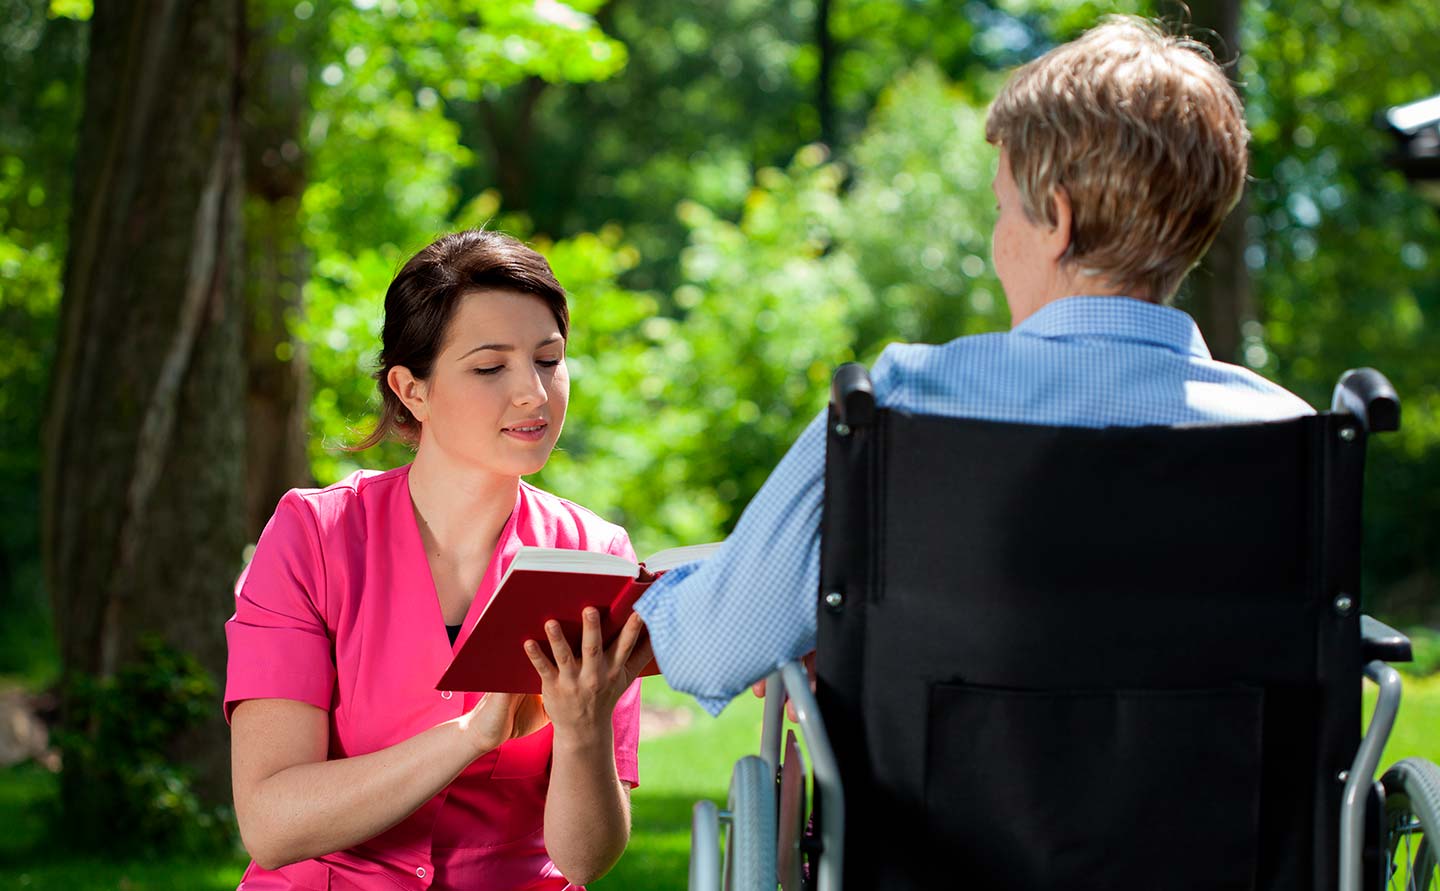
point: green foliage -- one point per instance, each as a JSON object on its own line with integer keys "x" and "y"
{"x": 40, "y": 64}
{"x": 1425, "y": 646}
{"x": 1344, "y": 253}
{"x": 122, "y": 788}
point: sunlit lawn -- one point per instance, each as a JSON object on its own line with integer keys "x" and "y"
{"x": 676, "y": 769}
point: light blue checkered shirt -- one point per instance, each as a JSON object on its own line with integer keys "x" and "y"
{"x": 720, "y": 625}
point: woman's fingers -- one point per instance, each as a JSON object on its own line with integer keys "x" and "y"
{"x": 625, "y": 643}
{"x": 592, "y": 647}
{"x": 639, "y": 658}
{"x": 564, "y": 658}
{"x": 543, "y": 666}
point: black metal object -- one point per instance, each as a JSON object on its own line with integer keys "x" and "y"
{"x": 1416, "y": 128}
{"x": 1054, "y": 644}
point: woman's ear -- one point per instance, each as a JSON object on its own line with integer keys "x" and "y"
{"x": 1057, "y": 240}
{"x": 411, "y": 391}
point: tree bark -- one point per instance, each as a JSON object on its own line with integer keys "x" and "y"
{"x": 1218, "y": 293}
{"x": 276, "y": 268}
{"x": 824, "y": 78}
{"x": 509, "y": 124}
{"x": 143, "y": 481}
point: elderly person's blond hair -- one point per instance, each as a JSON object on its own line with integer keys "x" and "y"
{"x": 1147, "y": 138}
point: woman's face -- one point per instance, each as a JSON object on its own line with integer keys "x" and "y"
{"x": 496, "y": 396}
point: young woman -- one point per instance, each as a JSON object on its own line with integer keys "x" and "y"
{"x": 351, "y": 771}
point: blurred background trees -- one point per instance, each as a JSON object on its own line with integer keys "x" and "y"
{"x": 738, "y": 195}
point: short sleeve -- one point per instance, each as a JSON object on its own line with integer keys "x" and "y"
{"x": 626, "y": 719}
{"x": 279, "y": 647}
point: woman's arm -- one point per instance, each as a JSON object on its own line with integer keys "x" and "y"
{"x": 587, "y": 808}
{"x": 293, "y": 804}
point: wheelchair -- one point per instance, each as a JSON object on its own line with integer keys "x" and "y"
{"x": 1073, "y": 658}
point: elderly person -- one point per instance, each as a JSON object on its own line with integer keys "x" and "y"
{"x": 1120, "y": 155}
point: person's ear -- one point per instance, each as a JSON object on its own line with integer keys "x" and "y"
{"x": 412, "y": 392}
{"x": 1057, "y": 239}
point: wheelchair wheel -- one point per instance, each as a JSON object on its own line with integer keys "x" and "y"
{"x": 1412, "y": 825}
{"x": 750, "y": 838}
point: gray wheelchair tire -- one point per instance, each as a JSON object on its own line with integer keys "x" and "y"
{"x": 1412, "y": 825}
{"x": 750, "y": 838}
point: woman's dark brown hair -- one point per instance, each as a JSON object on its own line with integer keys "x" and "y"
{"x": 424, "y": 296}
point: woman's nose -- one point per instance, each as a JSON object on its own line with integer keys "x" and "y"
{"x": 531, "y": 390}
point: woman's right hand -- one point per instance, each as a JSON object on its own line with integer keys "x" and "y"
{"x": 503, "y": 716}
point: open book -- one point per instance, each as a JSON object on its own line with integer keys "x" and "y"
{"x": 553, "y": 583}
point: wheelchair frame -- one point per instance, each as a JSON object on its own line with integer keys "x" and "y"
{"x": 750, "y": 859}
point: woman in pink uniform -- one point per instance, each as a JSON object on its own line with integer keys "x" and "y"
{"x": 351, "y": 771}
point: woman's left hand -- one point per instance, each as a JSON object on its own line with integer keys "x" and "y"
{"x": 580, "y": 692}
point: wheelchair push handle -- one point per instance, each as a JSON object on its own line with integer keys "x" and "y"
{"x": 1368, "y": 395}
{"x": 852, "y": 395}
{"x": 1380, "y": 641}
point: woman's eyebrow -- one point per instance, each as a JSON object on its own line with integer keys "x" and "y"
{"x": 506, "y": 348}
{"x": 499, "y": 347}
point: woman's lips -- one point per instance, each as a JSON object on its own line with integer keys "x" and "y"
{"x": 530, "y": 431}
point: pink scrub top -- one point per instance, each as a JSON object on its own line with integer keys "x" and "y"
{"x": 337, "y": 609}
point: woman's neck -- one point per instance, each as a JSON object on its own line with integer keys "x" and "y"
{"x": 460, "y": 511}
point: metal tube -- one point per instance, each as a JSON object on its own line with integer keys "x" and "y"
{"x": 773, "y": 724}
{"x": 827, "y": 776}
{"x": 1362, "y": 773}
{"x": 705, "y": 847}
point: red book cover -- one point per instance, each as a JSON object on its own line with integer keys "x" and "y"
{"x": 543, "y": 584}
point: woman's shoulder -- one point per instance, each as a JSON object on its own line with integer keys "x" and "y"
{"x": 561, "y": 523}
{"x": 350, "y": 497}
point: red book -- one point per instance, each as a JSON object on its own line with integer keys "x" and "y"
{"x": 553, "y": 583}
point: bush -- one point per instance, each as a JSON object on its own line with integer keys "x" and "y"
{"x": 120, "y": 789}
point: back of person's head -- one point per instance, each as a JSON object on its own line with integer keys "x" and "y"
{"x": 1146, "y": 136}
{"x": 423, "y": 298}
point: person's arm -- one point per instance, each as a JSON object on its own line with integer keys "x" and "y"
{"x": 722, "y": 624}
{"x": 587, "y": 806}
{"x": 292, "y": 804}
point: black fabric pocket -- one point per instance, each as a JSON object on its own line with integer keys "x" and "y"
{"x": 1096, "y": 790}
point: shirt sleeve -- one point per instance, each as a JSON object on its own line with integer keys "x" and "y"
{"x": 720, "y": 625}
{"x": 279, "y": 647}
{"x": 625, "y": 722}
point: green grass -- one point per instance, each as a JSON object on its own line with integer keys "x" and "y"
{"x": 675, "y": 771}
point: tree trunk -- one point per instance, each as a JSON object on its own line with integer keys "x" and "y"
{"x": 824, "y": 78}
{"x": 1218, "y": 293}
{"x": 276, "y": 267}
{"x": 509, "y": 124}
{"x": 143, "y": 482}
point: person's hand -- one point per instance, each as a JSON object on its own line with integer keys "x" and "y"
{"x": 580, "y": 692}
{"x": 492, "y": 720}
{"x": 758, "y": 688}
{"x": 530, "y": 715}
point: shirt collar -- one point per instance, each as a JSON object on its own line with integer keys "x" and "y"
{"x": 1116, "y": 318}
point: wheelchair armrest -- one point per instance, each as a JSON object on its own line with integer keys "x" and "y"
{"x": 852, "y": 395}
{"x": 1380, "y": 641}
{"x": 1368, "y": 395}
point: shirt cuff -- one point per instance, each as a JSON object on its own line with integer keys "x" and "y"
{"x": 657, "y": 607}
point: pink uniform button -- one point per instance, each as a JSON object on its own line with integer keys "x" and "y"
{"x": 420, "y": 871}
{"x": 446, "y": 694}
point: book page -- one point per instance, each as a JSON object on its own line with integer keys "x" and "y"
{"x": 567, "y": 560}
{"x": 660, "y": 561}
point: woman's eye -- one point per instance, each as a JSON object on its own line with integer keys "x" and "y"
{"x": 494, "y": 369}
{"x": 547, "y": 363}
